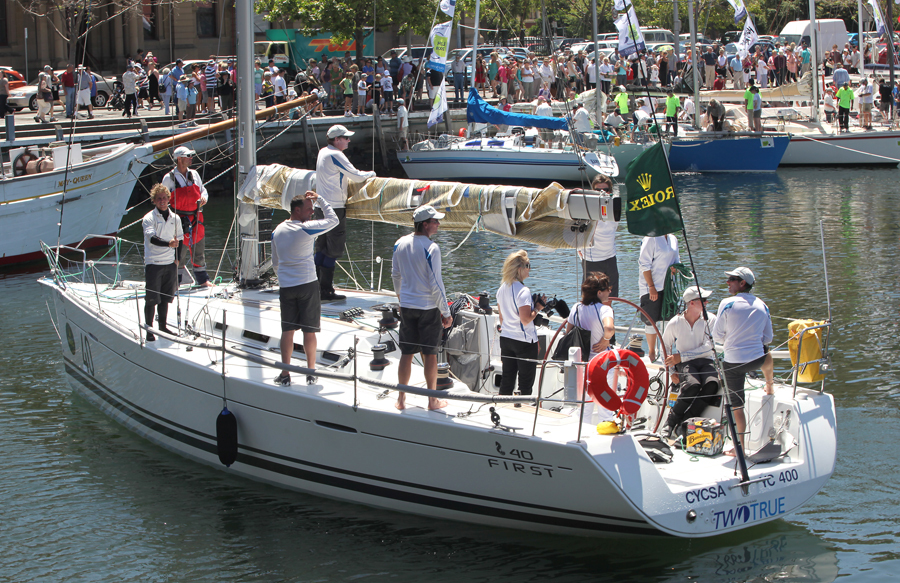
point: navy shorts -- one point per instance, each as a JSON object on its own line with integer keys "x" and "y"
{"x": 160, "y": 283}
{"x": 420, "y": 330}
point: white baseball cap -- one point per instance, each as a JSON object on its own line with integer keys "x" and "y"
{"x": 338, "y": 131}
{"x": 691, "y": 294}
{"x": 425, "y": 212}
{"x": 184, "y": 152}
{"x": 744, "y": 273}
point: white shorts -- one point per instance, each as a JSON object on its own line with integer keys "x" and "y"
{"x": 84, "y": 97}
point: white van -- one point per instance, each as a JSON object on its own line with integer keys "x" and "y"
{"x": 831, "y": 31}
{"x": 654, "y": 37}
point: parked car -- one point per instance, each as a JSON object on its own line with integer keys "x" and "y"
{"x": 15, "y": 78}
{"x": 26, "y": 96}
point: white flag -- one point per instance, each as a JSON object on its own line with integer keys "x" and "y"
{"x": 879, "y": 19}
{"x": 620, "y": 5}
{"x": 449, "y": 7}
{"x": 440, "y": 40}
{"x": 630, "y": 38}
{"x": 439, "y": 105}
{"x": 748, "y": 39}
{"x": 740, "y": 11}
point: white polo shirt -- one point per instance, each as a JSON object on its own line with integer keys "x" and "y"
{"x": 657, "y": 255}
{"x": 509, "y": 299}
{"x": 690, "y": 341}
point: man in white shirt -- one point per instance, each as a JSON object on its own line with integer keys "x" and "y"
{"x": 543, "y": 108}
{"x": 298, "y": 293}
{"x": 403, "y": 124}
{"x": 424, "y": 312}
{"x": 280, "y": 86}
{"x": 333, "y": 172}
{"x": 866, "y": 95}
{"x": 689, "y": 340}
{"x": 744, "y": 326}
{"x": 458, "y": 66}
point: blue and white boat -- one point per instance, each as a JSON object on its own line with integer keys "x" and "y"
{"x": 513, "y": 158}
{"x": 717, "y": 152}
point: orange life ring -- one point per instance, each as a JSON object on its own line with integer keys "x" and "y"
{"x": 638, "y": 380}
{"x": 462, "y": 132}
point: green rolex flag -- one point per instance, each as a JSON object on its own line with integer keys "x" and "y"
{"x": 651, "y": 205}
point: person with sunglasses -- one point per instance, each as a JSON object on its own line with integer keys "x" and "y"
{"x": 518, "y": 336}
{"x": 162, "y": 235}
{"x": 688, "y": 337}
{"x": 600, "y": 255}
{"x": 744, "y": 326}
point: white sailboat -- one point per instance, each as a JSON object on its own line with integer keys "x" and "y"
{"x": 540, "y": 466}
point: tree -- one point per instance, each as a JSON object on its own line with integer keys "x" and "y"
{"x": 346, "y": 19}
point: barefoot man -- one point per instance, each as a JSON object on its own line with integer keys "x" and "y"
{"x": 424, "y": 312}
{"x": 744, "y": 326}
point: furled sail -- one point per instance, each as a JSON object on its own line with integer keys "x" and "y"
{"x": 552, "y": 216}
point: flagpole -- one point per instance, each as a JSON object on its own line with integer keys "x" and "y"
{"x": 889, "y": 26}
{"x": 422, "y": 60}
{"x": 646, "y": 78}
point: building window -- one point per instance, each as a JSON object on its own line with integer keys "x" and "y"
{"x": 4, "y": 34}
{"x": 150, "y": 16}
{"x": 206, "y": 20}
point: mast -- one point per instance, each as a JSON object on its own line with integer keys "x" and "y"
{"x": 596, "y": 64}
{"x": 814, "y": 61}
{"x": 248, "y": 231}
{"x": 695, "y": 73}
{"x": 889, "y": 24}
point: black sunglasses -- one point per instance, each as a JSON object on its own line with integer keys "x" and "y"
{"x": 733, "y": 278}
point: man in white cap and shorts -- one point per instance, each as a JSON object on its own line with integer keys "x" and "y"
{"x": 188, "y": 197}
{"x": 688, "y": 338}
{"x": 333, "y": 172}
{"x": 744, "y": 326}
{"x": 424, "y": 312}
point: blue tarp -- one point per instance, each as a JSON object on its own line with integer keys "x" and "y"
{"x": 479, "y": 111}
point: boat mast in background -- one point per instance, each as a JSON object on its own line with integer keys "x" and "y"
{"x": 248, "y": 230}
{"x": 814, "y": 61}
{"x": 695, "y": 72}
{"x": 597, "y": 85}
{"x": 889, "y": 23}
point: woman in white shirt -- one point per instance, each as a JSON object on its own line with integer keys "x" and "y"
{"x": 658, "y": 255}
{"x": 518, "y": 337}
{"x": 592, "y": 313}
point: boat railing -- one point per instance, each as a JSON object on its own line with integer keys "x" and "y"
{"x": 823, "y": 361}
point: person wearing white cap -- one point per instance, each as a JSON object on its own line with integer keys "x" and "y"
{"x": 298, "y": 290}
{"x": 188, "y": 197}
{"x": 403, "y": 123}
{"x": 688, "y": 337}
{"x": 745, "y": 328}
{"x": 416, "y": 273}
{"x": 333, "y": 172}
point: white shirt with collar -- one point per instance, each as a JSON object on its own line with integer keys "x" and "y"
{"x": 691, "y": 342}
{"x": 744, "y": 327}
{"x": 155, "y": 225}
{"x": 657, "y": 255}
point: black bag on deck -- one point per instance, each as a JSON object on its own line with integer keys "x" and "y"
{"x": 577, "y": 336}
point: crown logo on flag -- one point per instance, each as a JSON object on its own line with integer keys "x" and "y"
{"x": 644, "y": 181}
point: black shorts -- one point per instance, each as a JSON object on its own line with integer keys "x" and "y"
{"x": 698, "y": 371}
{"x": 332, "y": 242}
{"x": 143, "y": 94}
{"x": 652, "y": 308}
{"x": 420, "y": 330}
{"x": 160, "y": 283}
{"x": 301, "y": 308}
{"x": 735, "y": 375}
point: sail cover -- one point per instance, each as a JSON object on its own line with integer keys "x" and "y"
{"x": 479, "y": 111}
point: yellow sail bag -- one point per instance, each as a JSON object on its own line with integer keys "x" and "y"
{"x": 812, "y": 349}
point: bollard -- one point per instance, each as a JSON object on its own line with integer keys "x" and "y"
{"x": 10, "y": 127}
{"x": 59, "y": 133}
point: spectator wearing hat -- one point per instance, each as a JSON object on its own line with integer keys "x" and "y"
{"x": 333, "y": 172}
{"x": 189, "y": 195}
{"x": 424, "y": 313}
{"x": 689, "y": 338}
{"x": 403, "y": 123}
{"x": 744, "y": 326}
{"x": 181, "y": 96}
{"x": 129, "y": 83}
{"x": 143, "y": 87}
{"x": 298, "y": 294}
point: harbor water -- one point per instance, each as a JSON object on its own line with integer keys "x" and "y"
{"x": 82, "y": 499}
